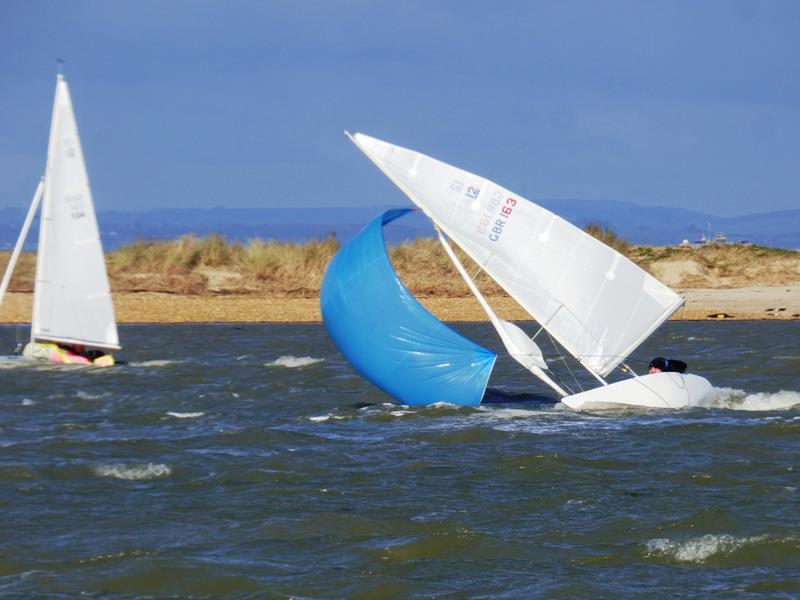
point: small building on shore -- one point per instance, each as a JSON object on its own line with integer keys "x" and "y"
{"x": 719, "y": 238}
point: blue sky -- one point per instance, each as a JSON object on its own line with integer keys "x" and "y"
{"x": 242, "y": 104}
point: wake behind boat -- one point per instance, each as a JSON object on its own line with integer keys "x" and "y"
{"x": 73, "y": 316}
{"x": 590, "y": 300}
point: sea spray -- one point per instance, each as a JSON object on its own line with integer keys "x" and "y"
{"x": 133, "y": 472}
{"x": 699, "y": 550}
{"x": 155, "y": 363}
{"x": 763, "y": 401}
{"x": 185, "y": 415}
{"x": 293, "y": 362}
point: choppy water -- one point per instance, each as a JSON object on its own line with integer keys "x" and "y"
{"x": 250, "y": 461}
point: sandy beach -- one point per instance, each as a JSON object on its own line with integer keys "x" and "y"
{"x": 748, "y": 303}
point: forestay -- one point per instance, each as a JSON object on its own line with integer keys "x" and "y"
{"x": 594, "y": 301}
{"x": 72, "y": 298}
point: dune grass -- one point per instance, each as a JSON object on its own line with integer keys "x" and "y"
{"x": 24, "y": 272}
{"x": 179, "y": 256}
{"x": 609, "y": 237}
{"x": 210, "y": 265}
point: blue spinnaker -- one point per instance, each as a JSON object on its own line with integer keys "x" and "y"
{"x": 389, "y": 337}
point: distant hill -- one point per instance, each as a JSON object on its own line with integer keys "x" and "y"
{"x": 638, "y": 224}
{"x": 662, "y": 226}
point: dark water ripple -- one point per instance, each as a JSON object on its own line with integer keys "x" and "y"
{"x": 250, "y": 461}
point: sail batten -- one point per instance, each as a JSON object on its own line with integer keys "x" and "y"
{"x": 592, "y": 300}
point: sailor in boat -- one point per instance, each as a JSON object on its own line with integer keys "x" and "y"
{"x": 666, "y": 365}
{"x": 68, "y": 354}
{"x": 83, "y": 355}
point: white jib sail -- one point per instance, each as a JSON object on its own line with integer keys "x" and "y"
{"x": 72, "y": 297}
{"x": 594, "y": 301}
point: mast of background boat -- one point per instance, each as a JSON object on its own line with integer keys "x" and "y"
{"x": 519, "y": 346}
{"x": 44, "y": 217}
{"x": 37, "y": 197}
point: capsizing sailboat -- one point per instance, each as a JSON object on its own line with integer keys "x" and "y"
{"x": 592, "y": 301}
{"x": 73, "y": 316}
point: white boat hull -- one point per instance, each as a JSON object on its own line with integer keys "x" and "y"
{"x": 659, "y": 390}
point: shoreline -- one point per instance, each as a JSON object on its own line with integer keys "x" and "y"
{"x": 777, "y": 303}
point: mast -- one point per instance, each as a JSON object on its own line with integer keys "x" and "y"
{"x": 45, "y": 217}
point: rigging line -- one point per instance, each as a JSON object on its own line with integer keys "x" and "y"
{"x": 660, "y": 397}
{"x": 564, "y": 361}
{"x": 543, "y": 326}
{"x": 558, "y": 377}
{"x": 528, "y": 355}
{"x": 575, "y": 379}
{"x": 562, "y": 382}
{"x": 591, "y": 335}
{"x": 478, "y": 271}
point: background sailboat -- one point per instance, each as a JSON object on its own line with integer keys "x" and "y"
{"x": 595, "y": 303}
{"x": 73, "y": 315}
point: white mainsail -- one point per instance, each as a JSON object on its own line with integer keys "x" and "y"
{"x": 72, "y": 297}
{"x": 595, "y": 302}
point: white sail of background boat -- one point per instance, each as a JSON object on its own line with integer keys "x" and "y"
{"x": 73, "y": 315}
{"x": 598, "y": 305}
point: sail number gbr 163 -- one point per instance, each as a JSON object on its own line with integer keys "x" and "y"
{"x": 496, "y": 215}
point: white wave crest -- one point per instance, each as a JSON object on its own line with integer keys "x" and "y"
{"x": 185, "y": 415}
{"x": 507, "y": 413}
{"x": 698, "y": 550}
{"x": 81, "y": 395}
{"x": 13, "y": 362}
{"x": 741, "y": 400}
{"x": 155, "y": 363}
{"x": 133, "y": 472}
{"x": 293, "y": 362}
{"x": 323, "y": 418}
